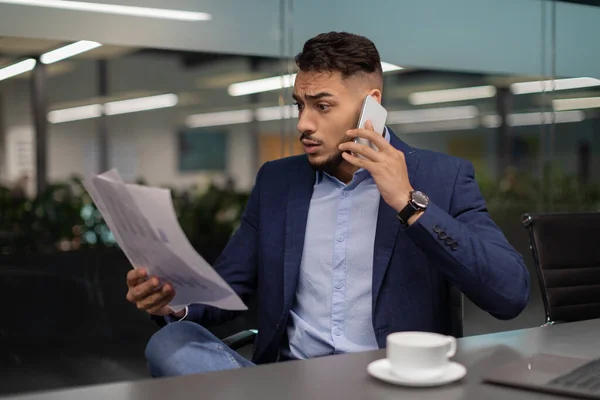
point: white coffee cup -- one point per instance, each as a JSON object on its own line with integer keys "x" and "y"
{"x": 419, "y": 355}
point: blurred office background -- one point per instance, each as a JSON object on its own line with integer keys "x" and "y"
{"x": 513, "y": 86}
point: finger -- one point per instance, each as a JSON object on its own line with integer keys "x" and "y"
{"x": 369, "y": 126}
{"x": 162, "y": 306}
{"x": 158, "y": 299}
{"x": 152, "y": 300}
{"x": 372, "y": 136}
{"x": 365, "y": 151}
{"x": 144, "y": 289}
{"x": 358, "y": 162}
{"x": 136, "y": 276}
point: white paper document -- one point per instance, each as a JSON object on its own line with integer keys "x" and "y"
{"x": 145, "y": 225}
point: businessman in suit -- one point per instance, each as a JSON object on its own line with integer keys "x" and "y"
{"x": 342, "y": 250}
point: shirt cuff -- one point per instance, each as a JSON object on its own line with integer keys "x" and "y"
{"x": 169, "y": 318}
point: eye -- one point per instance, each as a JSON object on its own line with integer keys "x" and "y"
{"x": 323, "y": 107}
{"x": 300, "y": 106}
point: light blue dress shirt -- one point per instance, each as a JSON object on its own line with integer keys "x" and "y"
{"x": 331, "y": 312}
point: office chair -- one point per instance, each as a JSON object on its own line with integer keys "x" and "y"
{"x": 566, "y": 253}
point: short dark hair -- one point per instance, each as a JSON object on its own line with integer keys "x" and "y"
{"x": 345, "y": 52}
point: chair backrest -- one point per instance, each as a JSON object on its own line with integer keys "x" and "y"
{"x": 457, "y": 311}
{"x": 566, "y": 252}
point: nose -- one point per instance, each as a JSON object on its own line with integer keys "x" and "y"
{"x": 306, "y": 123}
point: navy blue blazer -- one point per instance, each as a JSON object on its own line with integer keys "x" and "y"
{"x": 412, "y": 268}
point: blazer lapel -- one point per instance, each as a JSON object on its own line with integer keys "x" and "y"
{"x": 388, "y": 234}
{"x": 302, "y": 181}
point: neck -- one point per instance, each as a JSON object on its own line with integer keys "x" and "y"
{"x": 345, "y": 171}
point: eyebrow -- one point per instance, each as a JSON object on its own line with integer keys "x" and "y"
{"x": 317, "y": 96}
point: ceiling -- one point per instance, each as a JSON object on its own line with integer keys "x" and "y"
{"x": 491, "y": 36}
{"x": 208, "y": 75}
{"x": 15, "y": 47}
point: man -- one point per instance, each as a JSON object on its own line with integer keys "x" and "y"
{"x": 342, "y": 250}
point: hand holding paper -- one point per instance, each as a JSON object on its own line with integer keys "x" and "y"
{"x": 144, "y": 224}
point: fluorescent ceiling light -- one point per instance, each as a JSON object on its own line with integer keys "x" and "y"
{"x": 448, "y": 95}
{"x": 68, "y": 51}
{"x": 262, "y": 85}
{"x": 439, "y": 126}
{"x": 491, "y": 121}
{"x": 241, "y": 116}
{"x": 141, "y": 104}
{"x": 279, "y": 82}
{"x": 576, "y": 104}
{"x": 535, "y": 118}
{"x": 276, "y": 113}
{"x": 219, "y": 118}
{"x": 75, "y": 113}
{"x": 387, "y": 67}
{"x": 550, "y": 85}
{"x": 526, "y": 119}
{"x": 17, "y": 69}
{"x": 432, "y": 114}
{"x": 113, "y": 108}
{"x": 115, "y": 9}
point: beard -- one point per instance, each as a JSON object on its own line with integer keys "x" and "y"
{"x": 332, "y": 163}
{"x": 328, "y": 166}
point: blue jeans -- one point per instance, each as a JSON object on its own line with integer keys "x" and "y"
{"x": 183, "y": 348}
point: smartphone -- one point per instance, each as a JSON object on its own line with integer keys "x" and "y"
{"x": 371, "y": 111}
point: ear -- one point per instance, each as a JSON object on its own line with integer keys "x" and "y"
{"x": 376, "y": 94}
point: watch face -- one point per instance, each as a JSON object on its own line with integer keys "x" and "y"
{"x": 420, "y": 199}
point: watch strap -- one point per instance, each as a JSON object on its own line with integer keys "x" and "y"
{"x": 407, "y": 212}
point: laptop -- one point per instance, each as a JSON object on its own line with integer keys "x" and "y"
{"x": 551, "y": 373}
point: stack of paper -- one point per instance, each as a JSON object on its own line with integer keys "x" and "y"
{"x": 144, "y": 223}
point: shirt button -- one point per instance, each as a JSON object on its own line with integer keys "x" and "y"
{"x": 340, "y": 239}
{"x": 345, "y": 194}
{"x": 339, "y": 285}
{"x": 337, "y": 332}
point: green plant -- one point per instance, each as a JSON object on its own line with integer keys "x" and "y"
{"x": 555, "y": 191}
{"x": 51, "y": 216}
{"x": 64, "y": 217}
{"x": 210, "y": 218}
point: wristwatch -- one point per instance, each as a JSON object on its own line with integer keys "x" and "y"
{"x": 418, "y": 202}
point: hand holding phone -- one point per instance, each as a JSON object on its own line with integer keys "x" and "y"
{"x": 371, "y": 111}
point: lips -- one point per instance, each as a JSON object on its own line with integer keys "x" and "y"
{"x": 310, "y": 147}
{"x": 307, "y": 142}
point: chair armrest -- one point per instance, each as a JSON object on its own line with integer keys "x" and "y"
{"x": 241, "y": 339}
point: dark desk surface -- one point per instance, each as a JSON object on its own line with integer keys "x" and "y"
{"x": 346, "y": 377}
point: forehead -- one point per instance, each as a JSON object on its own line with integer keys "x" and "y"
{"x": 316, "y": 82}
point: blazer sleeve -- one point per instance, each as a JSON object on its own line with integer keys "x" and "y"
{"x": 472, "y": 251}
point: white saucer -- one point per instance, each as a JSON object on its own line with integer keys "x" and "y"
{"x": 381, "y": 369}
